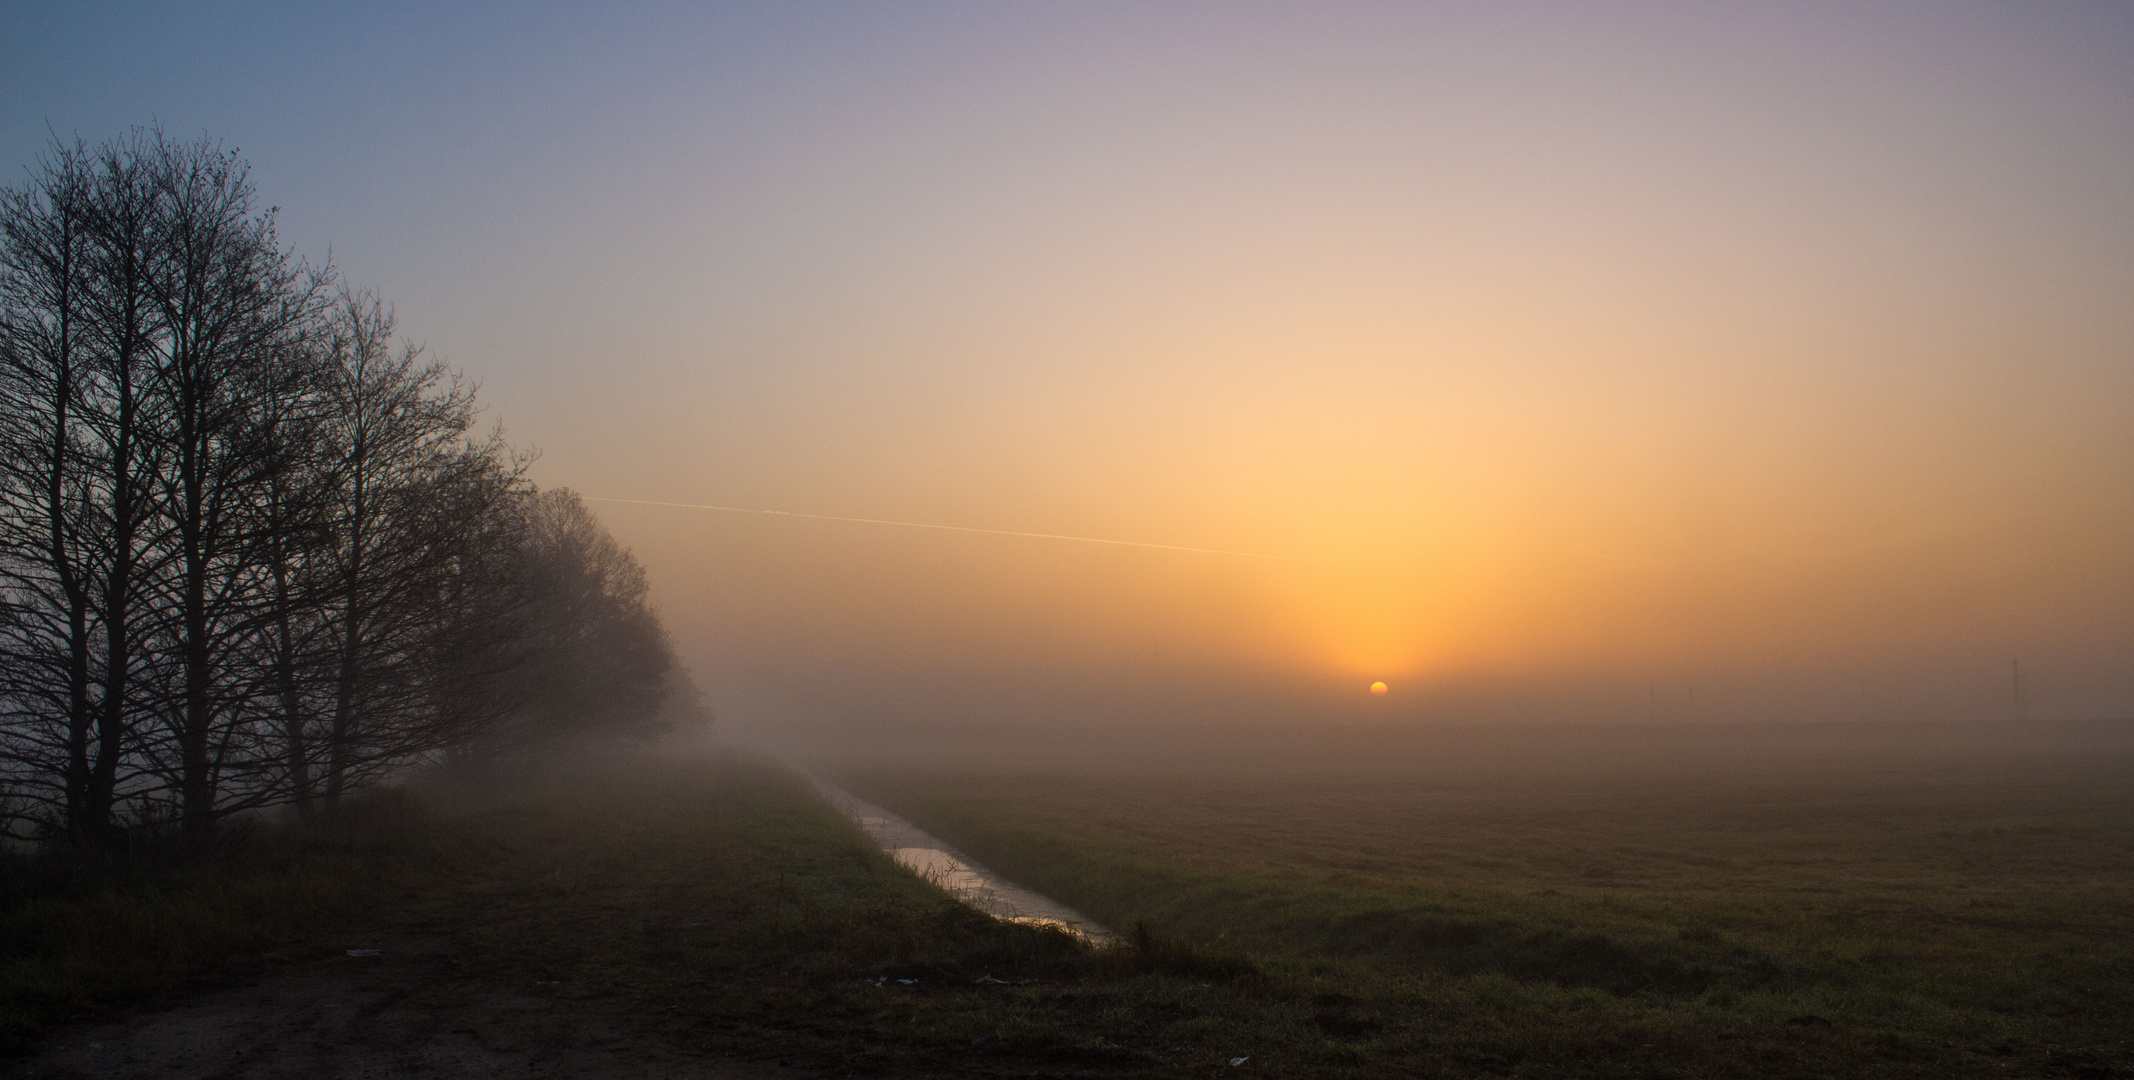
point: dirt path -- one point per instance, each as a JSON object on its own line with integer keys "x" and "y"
{"x": 405, "y": 1013}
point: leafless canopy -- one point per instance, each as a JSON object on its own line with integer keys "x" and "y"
{"x": 253, "y": 549}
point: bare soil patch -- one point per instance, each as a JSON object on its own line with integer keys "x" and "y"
{"x": 410, "y": 1011}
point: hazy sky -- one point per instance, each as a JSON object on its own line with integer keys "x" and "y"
{"x": 1609, "y": 360}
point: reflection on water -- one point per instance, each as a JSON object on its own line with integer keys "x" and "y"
{"x": 959, "y": 877}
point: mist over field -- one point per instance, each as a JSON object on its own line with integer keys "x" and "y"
{"x": 1093, "y": 539}
{"x": 1628, "y": 365}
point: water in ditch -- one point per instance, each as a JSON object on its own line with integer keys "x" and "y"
{"x": 960, "y": 877}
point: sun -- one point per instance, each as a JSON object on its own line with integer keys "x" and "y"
{"x": 1378, "y": 689}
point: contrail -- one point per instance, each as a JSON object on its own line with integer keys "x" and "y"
{"x": 957, "y": 528}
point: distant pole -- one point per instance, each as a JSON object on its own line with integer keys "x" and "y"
{"x": 2022, "y": 710}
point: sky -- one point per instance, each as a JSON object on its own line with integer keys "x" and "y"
{"x": 1577, "y": 362}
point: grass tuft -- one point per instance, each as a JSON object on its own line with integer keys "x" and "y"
{"x": 1146, "y": 951}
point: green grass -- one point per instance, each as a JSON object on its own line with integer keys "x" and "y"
{"x": 79, "y": 934}
{"x": 1974, "y": 923}
{"x": 720, "y": 903}
{"x": 1336, "y": 930}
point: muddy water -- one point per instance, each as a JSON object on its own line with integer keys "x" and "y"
{"x": 961, "y": 878}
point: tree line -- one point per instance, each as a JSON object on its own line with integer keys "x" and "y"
{"x": 253, "y": 549}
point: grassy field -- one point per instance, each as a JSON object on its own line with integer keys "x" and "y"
{"x": 80, "y": 934}
{"x": 1315, "y": 927}
{"x": 1972, "y": 918}
{"x": 718, "y": 904}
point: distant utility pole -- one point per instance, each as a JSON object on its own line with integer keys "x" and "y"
{"x": 2022, "y": 707}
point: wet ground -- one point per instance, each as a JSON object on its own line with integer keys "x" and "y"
{"x": 960, "y": 877}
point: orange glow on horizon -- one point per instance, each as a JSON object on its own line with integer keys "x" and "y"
{"x": 1549, "y": 385}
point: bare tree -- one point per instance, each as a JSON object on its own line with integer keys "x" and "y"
{"x": 232, "y": 307}
{"x": 81, "y": 539}
{"x": 122, "y": 411}
{"x": 596, "y": 661}
{"x": 292, "y": 508}
{"x": 413, "y": 507}
{"x": 251, "y": 550}
{"x": 46, "y": 634}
